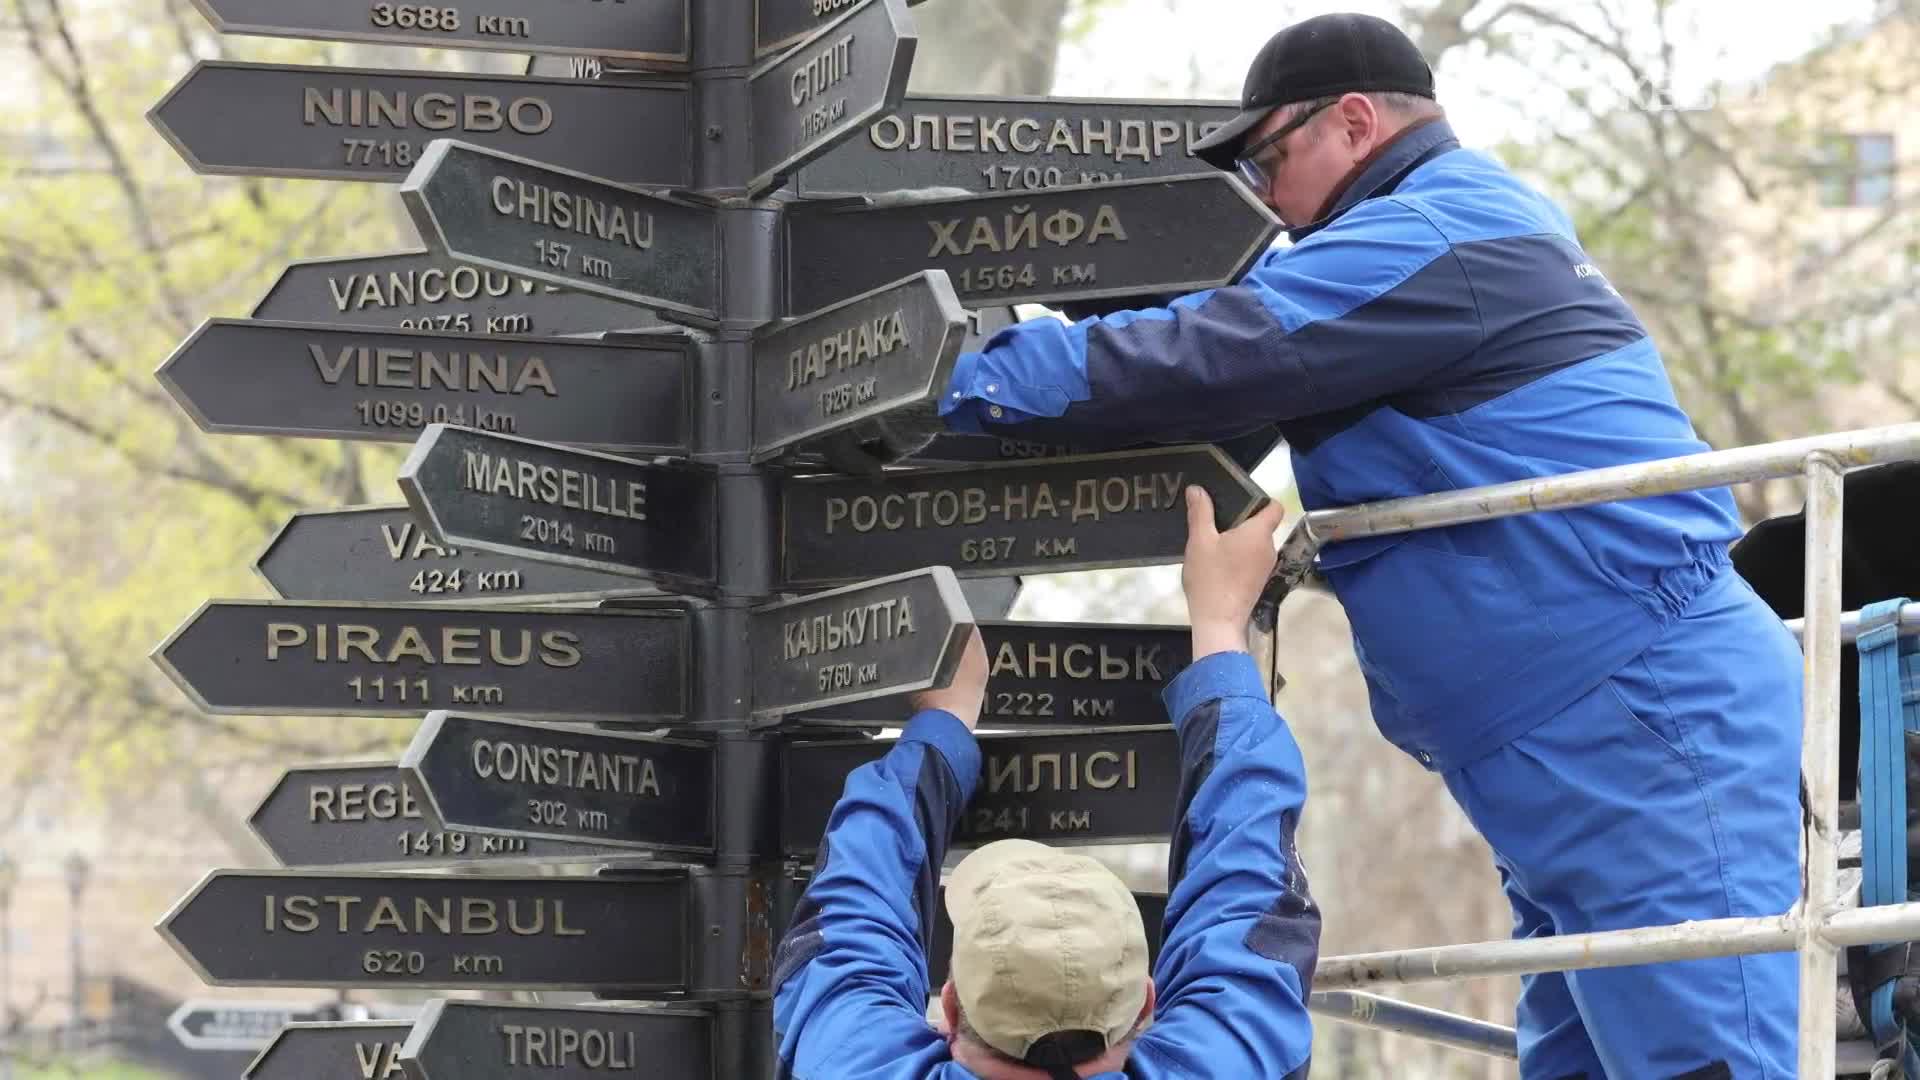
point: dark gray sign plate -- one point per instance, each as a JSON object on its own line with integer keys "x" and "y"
{"x": 307, "y": 928}
{"x": 423, "y": 290}
{"x": 828, "y": 87}
{"x": 781, "y": 24}
{"x": 1061, "y": 675}
{"x": 259, "y": 657}
{"x": 991, "y": 598}
{"x": 374, "y": 816}
{"x": 332, "y": 1051}
{"x": 1017, "y": 144}
{"x": 889, "y": 349}
{"x": 1120, "y": 239}
{"x": 310, "y": 379}
{"x": 526, "y": 216}
{"x": 481, "y": 1040}
{"x": 895, "y": 635}
{"x": 1092, "y": 787}
{"x": 1247, "y": 451}
{"x": 1153, "y": 917}
{"x": 382, "y": 554}
{"x": 540, "y": 501}
{"x": 1080, "y": 513}
{"x": 326, "y": 123}
{"x": 641, "y": 29}
{"x": 512, "y": 778}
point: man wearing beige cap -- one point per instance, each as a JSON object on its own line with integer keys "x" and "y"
{"x": 1049, "y": 968}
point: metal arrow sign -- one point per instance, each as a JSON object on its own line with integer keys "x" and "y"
{"x": 424, "y": 290}
{"x": 212, "y": 1024}
{"x": 888, "y": 349}
{"x": 512, "y": 779}
{"x": 781, "y": 24}
{"x": 1097, "y": 787}
{"x": 569, "y": 228}
{"x": 484, "y": 1040}
{"x": 653, "y": 30}
{"x": 1061, "y": 675}
{"x": 539, "y": 501}
{"x": 1017, "y": 144}
{"x": 1120, "y": 239}
{"x": 891, "y": 636}
{"x": 309, "y": 379}
{"x": 827, "y": 87}
{"x": 368, "y": 1048}
{"x": 374, "y": 816}
{"x": 383, "y": 554}
{"x": 1080, "y": 513}
{"x": 304, "y": 928}
{"x": 258, "y": 657}
{"x": 327, "y": 123}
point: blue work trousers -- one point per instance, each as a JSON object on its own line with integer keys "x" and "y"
{"x": 1668, "y": 793}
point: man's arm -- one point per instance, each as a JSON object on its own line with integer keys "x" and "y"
{"x": 1373, "y": 304}
{"x": 850, "y": 976}
{"x": 1242, "y": 932}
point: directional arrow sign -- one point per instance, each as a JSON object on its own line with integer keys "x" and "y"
{"x": 1062, "y": 675}
{"x": 375, "y": 816}
{"x": 481, "y": 1040}
{"x": 890, "y": 636}
{"x": 382, "y": 554}
{"x": 304, "y": 928}
{"x": 647, "y": 30}
{"x": 309, "y": 379}
{"x": 511, "y": 778}
{"x": 828, "y": 87}
{"x": 424, "y": 290}
{"x": 1018, "y": 143}
{"x": 1247, "y": 451}
{"x": 1092, "y": 787}
{"x": 540, "y": 501}
{"x": 1119, "y": 239}
{"x": 237, "y": 1025}
{"x": 781, "y": 24}
{"x": 370, "y": 124}
{"x": 564, "y": 227}
{"x": 889, "y": 349}
{"x": 262, "y": 657}
{"x": 1079, "y": 513}
{"x": 324, "y": 1051}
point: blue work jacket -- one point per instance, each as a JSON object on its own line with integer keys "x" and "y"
{"x": 1440, "y": 328}
{"x": 1239, "y": 944}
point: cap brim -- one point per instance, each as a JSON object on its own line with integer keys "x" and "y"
{"x": 979, "y": 865}
{"x": 1219, "y": 148}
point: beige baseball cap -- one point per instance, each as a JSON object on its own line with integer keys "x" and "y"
{"x": 1044, "y": 941}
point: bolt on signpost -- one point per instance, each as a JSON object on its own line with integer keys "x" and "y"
{"x": 644, "y": 623}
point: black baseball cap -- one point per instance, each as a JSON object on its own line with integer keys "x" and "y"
{"x": 1320, "y": 57}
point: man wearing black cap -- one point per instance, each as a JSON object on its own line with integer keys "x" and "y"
{"x": 1610, "y": 704}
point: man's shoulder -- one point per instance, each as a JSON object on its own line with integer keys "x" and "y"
{"x": 1468, "y": 195}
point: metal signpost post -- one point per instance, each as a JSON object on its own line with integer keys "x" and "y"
{"x": 640, "y": 591}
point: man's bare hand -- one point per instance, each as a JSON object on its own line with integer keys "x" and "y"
{"x": 967, "y": 694}
{"x": 1224, "y": 572}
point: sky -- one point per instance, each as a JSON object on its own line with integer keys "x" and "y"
{"x": 1201, "y": 48}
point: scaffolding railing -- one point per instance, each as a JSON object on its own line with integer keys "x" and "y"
{"x": 1819, "y": 923}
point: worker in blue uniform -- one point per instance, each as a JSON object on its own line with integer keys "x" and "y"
{"x": 1613, "y": 708}
{"x": 1048, "y": 976}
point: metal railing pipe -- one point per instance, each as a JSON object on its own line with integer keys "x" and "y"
{"x": 1820, "y": 759}
{"x": 1568, "y": 952}
{"x": 1850, "y": 624}
{"x": 1867, "y": 446}
{"x": 1418, "y": 1021}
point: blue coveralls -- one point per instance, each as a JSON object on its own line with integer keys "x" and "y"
{"x": 1611, "y": 705}
{"x": 1240, "y": 939}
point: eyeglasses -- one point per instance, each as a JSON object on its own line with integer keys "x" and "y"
{"x": 1254, "y": 173}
